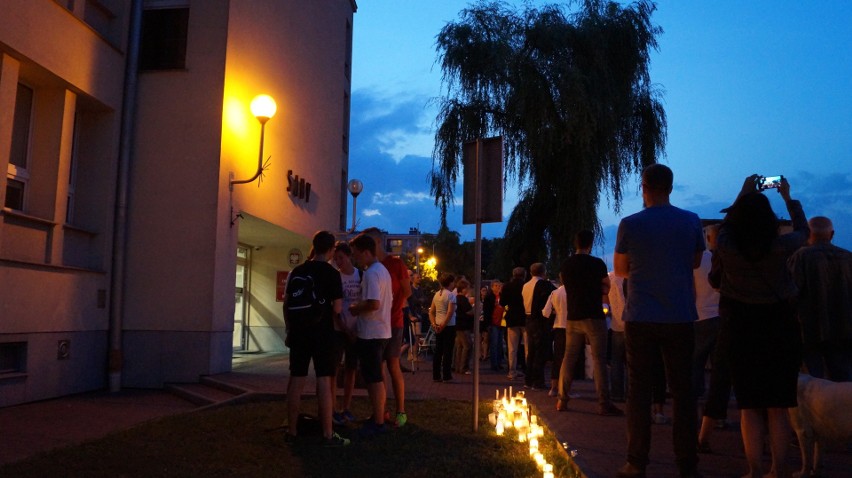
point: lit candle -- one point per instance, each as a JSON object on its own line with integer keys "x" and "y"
{"x": 534, "y": 419}
{"x": 548, "y": 468}
{"x": 522, "y": 437}
{"x": 548, "y": 474}
{"x": 500, "y": 428}
{"x": 533, "y": 444}
{"x": 539, "y": 460}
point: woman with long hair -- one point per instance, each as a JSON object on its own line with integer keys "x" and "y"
{"x": 442, "y": 315}
{"x": 756, "y": 293}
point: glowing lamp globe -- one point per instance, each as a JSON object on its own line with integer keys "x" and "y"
{"x": 263, "y": 107}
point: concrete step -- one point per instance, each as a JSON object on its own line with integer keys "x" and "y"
{"x": 203, "y": 394}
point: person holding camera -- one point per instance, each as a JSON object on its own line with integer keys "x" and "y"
{"x": 757, "y": 291}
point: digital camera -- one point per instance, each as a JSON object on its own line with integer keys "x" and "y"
{"x": 769, "y": 182}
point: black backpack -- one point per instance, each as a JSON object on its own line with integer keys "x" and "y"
{"x": 303, "y": 307}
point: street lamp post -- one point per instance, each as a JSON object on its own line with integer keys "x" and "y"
{"x": 355, "y": 187}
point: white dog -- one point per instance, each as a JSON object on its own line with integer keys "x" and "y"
{"x": 824, "y": 415}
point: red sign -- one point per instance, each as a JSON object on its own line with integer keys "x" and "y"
{"x": 281, "y": 285}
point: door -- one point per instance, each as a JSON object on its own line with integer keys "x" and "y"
{"x": 241, "y": 298}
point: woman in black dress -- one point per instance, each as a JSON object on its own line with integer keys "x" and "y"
{"x": 756, "y": 293}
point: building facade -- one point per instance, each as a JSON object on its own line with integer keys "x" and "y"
{"x": 128, "y": 254}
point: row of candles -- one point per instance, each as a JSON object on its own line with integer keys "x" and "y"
{"x": 513, "y": 411}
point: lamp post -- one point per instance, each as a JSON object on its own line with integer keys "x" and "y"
{"x": 355, "y": 187}
{"x": 263, "y": 108}
{"x": 419, "y": 251}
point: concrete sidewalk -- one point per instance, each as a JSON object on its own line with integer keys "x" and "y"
{"x": 600, "y": 442}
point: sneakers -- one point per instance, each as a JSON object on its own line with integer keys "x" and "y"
{"x": 401, "y": 420}
{"x": 610, "y": 410}
{"x": 561, "y": 405}
{"x": 336, "y": 441}
{"x": 552, "y": 393}
{"x": 704, "y": 448}
{"x": 348, "y": 416}
{"x": 338, "y": 419}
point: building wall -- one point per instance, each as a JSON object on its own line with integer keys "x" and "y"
{"x": 54, "y": 263}
{"x": 194, "y": 131}
{"x": 299, "y": 53}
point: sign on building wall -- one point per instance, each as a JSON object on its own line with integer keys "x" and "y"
{"x": 281, "y": 285}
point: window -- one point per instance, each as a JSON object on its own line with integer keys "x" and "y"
{"x": 346, "y": 113}
{"x": 164, "y": 33}
{"x": 72, "y": 174}
{"x": 347, "y": 67}
{"x": 17, "y": 174}
{"x": 13, "y": 358}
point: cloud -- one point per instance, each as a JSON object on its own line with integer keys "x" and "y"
{"x": 395, "y": 126}
{"x": 371, "y": 212}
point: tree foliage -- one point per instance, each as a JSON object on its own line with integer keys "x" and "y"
{"x": 572, "y": 96}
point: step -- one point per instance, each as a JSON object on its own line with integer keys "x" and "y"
{"x": 200, "y": 394}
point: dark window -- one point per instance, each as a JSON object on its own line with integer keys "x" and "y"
{"x": 13, "y": 357}
{"x": 15, "y": 194}
{"x": 164, "y": 33}
{"x": 21, "y": 127}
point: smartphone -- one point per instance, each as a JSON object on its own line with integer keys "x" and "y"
{"x": 769, "y": 182}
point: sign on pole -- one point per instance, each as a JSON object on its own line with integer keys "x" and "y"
{"x": 483, "y": 202}
{"x": 490, "y": 180}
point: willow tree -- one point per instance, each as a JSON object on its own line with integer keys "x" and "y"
{"x": 572, "y": 96}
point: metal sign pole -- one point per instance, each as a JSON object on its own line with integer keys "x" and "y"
{"x": 477, "y": 269}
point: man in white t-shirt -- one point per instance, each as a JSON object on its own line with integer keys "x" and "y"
{"x": 346, "y": 330}
{"x": 557, "y": 304}
{"x": 374, "y": 326}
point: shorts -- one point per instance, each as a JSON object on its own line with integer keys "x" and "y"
{"x": 311, "y": 345}
{"x": 394, "y": 347}
{"x": 345, "y": 351}
{"x": 370, "y": 352}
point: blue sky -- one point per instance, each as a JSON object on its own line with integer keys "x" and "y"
{"x": 759, "y": 87}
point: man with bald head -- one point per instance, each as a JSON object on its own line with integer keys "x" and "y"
{"x": 823, "y": 273}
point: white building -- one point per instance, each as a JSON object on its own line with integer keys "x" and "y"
{"x": 121, "y": 238}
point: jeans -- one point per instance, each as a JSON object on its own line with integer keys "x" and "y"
{"x": 719, "y": 391}
{"x": 618, "y": 371}
{"x": 676, "y": 344}
{"x": 461, "y": 357}
{"x": 537, "y": 351}
{"x": 575, "y": 343}
{"x": 513, "y": 338}
{"x": 558, "y": 355}
{"x": 495, "y": 343}
{"x": 706, "y": 333}
{"x": 442, "y": 362}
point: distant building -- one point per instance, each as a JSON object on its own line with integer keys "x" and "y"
{"x": 125, "y": 256}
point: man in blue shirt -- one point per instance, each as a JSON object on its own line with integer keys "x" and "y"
{"x": 657, "y": 249}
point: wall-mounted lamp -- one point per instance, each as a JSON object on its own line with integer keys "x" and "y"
{"x": 355, "y": 187}
{"x": 263, "y": 108}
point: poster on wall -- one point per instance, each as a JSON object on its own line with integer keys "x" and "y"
{"x": 295, "y": 257}
{"x": 281, "y": 285}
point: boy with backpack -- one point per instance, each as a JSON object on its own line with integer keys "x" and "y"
{"x": 314, "y": 298}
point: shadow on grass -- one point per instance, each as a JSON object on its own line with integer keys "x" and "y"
{"x": 248, "y": 440}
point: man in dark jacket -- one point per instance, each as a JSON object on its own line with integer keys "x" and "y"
{"x": 513, "y": 300}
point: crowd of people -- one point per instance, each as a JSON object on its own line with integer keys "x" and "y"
{"x": 755, "y": 303}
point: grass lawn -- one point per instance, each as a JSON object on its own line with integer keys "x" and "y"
{"x": 247, "y": 440}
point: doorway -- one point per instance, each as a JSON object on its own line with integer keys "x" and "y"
{"x": 241, "y": 298}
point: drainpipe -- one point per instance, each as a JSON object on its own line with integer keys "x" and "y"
{"x": 119, "y": 238}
